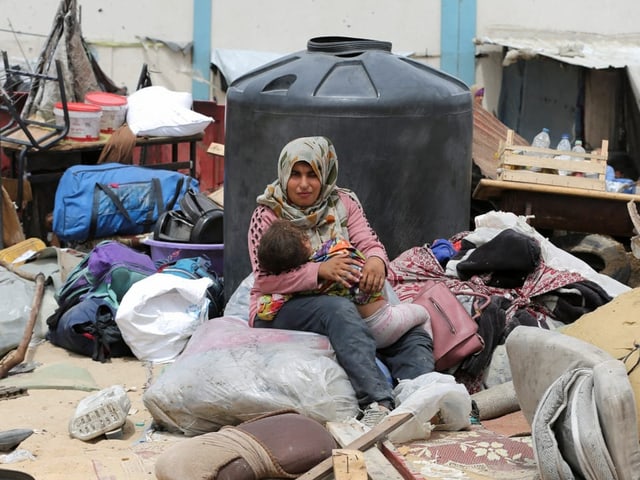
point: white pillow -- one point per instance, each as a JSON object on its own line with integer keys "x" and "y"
{"x": 158, "y": 111}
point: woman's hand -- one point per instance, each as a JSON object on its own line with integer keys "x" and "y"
{"x": 373, "y": 275}
{"x": 341, "y": 268}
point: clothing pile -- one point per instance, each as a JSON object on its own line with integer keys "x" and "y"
{"x": 529, "y": 280}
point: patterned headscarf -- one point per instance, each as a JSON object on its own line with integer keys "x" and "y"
{"x": 326, "y": 218}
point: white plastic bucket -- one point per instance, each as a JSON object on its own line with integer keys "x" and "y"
{"x": 114, "y": 109}
{"x": 84, "y": 121}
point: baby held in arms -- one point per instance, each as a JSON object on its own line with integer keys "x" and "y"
{"x": 285, "y": 246}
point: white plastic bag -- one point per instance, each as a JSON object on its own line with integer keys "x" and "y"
{"x": 238, "y": 304}
{"x": 424, "y": 397}
{"x": 229, "y": 373}
{"x": 158, "y": 111}
{"x": 159, "y": 313}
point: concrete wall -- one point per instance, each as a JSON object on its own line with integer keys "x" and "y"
{"x": 121, "y": 32}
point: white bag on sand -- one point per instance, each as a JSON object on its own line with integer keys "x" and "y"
{"x": 230, "y": 373}
{"x": 158, "y": 315}
{"x": 425, "y": 397}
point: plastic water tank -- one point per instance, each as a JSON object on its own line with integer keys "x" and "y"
{"x": 402, "y": 132}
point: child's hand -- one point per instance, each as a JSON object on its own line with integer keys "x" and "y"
{"x": 341, "y": 268}
{"x": 373, "y": 275}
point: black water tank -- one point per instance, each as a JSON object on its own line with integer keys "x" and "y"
{"x": 402, "y": 132}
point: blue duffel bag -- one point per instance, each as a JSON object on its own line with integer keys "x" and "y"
{"x": 97, "y": 201}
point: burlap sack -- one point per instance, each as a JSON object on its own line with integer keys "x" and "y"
{"x": 614, "y": 328}
{"x": 276, "y": 445}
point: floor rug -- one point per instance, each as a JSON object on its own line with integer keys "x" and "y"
{"x": 477, "y": 453}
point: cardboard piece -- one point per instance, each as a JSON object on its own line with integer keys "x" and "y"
{"x": 216, "y": 149}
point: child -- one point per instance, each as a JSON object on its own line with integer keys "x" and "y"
{"x": 284, "y": 247}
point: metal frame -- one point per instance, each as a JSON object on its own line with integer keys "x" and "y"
{"x": 52, "y": 132}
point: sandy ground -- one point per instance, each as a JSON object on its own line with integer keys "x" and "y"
{"x": 51, "y": 453}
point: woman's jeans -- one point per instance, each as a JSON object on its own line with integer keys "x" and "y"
{"x": 355, "y": 348}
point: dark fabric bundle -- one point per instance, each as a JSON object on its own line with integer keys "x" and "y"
{"x": 491, "y": 325}
{"x": 576, "y": 299}
{"x": 508, "y": 259}
{"x": 520, "y": 317}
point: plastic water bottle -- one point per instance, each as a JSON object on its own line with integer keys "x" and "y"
{"x": 564, "y": 145}
{"x": 541, "y": 140}
{"x": 578, "y": 148}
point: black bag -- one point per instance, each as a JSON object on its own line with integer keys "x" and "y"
{"x": 89, "y": 328}
{"x": 199, "y": 220}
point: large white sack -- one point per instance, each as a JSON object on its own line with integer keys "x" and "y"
{"x": 230, "y": 373}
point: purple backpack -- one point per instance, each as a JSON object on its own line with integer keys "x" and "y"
{"x": 97, "y": 268}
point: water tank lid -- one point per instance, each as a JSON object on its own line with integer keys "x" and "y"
{"x": 345, "y": 45}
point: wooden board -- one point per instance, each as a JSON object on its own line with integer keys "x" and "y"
{"x": 362, "y": 443}
{"x": 66, "y": 145}
{"x": 488, "y": 189}
{"x": 527, "y": 176}
{"x": 348, "y": 464}
{"x": 561, "y": 208}
{"x": 378, "y": 467}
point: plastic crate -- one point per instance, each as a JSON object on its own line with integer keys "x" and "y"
{"x": 171, "y": 251}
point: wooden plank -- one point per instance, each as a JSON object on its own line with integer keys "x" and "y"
{"x": 362, "y": 443}
{"x": 348, "y": 464}
{"x": 378, "y": 466}
{"x": 562, "y": 208}
{"x": 551, "y": 179}
{"x": 538, "y": 151}
{"x": 489, "y": 189}
{"x": 580, "y": 166}
{"x": 389, "y": 450}
{"x": 66, "y": 145}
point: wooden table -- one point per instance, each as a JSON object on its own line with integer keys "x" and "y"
{"x": 561, "y": 208}
{"x": 46, "y": 166}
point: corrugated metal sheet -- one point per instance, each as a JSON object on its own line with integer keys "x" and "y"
{"x": 488, "y": 132}
{"x": 578, "y": 48}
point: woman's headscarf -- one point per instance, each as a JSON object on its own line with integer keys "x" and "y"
{"x": 326, "y": 218}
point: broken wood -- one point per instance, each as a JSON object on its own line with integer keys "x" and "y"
{"x": 407, "y": 472}
{"x": 378, "y": 467}
{"x": 348, "y": 464}
{"x": 362, "y": 443}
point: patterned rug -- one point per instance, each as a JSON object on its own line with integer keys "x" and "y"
{"x": 474, "y": 454}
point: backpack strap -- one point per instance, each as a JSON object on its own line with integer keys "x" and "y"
{"x": 101, "y": 187}
{"x": 179, "y": 184}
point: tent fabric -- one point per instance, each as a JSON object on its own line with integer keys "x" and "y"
{"x": 235, "y": 63}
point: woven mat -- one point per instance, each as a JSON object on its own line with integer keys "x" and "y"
{"x": 474, "y": 454}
